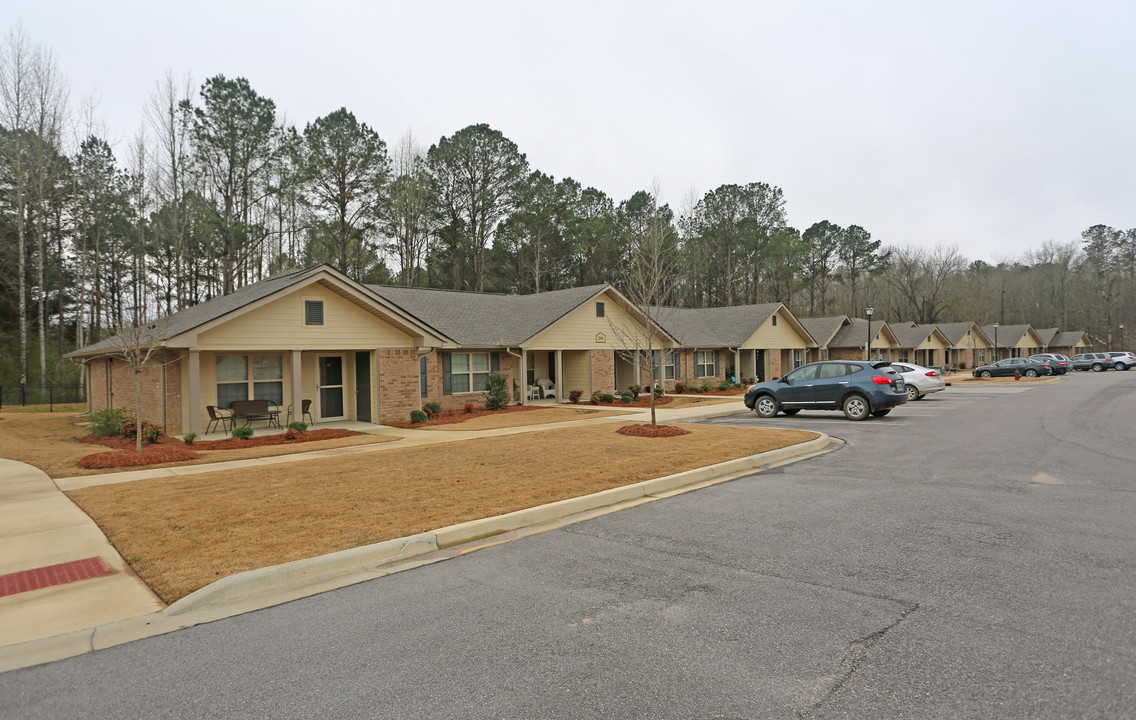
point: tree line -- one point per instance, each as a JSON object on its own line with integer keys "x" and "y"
{"x": 217, "y": 192}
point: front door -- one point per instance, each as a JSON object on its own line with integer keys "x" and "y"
{"x": 363, "y": 386}
{"x": 330, "y": 387}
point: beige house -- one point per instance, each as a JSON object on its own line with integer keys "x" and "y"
{"x": 1013, "y": 340}
{"x": 968, "y": 346}
{"x": 312, "y": 335}
{"x": 920, "y": 344}
{"x": 848, "y": 339}
{"x": 1070, "y": 343}
{"x": 730, "y": 343}
{"x": 823, "y": 330}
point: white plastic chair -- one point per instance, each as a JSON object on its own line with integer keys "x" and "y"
{"x": 547, "y": 387}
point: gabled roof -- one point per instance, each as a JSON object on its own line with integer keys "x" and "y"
{"x": 910, "y": 335}
{"x": 856, "y": 332}
{"x": 1069, "y": 339}
{"x": 955, "y": 332}
{"x": 688, "y": 327}
{"x": 1046, "y": 335}
{"x": 488, "y": 319}
{"x": 721, "y": 327}
{"x": 823, "y": 329}
{"x": 1008, "y": 335}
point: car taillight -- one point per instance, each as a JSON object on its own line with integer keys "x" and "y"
{"x": 932, "y": 373}
{"x": 881, "y": 380}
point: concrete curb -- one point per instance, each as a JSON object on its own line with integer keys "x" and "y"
{"x": 264, "y": 587}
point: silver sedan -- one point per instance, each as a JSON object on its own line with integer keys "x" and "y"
{"x": 920, "y": 380}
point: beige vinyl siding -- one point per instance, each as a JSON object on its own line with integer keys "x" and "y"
{"x": 577, "y": 368}
{"x": 578, "y": 329}
{"x": 781, "y": 335}
{"x": 281, "y": 324}
{"x": 971, "y": 340}
{"x": 931, "y": 343}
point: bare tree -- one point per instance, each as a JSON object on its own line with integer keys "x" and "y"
{"x": 139, "y": 347}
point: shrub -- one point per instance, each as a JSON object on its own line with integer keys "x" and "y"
{"x": 635, "y": 390}
{"x": 497, "y": 394}
{"x": 469, "y": 407}
{"x": 627, "y": 396}
{"x": 298, "y": 426}
{"x": 433, "y": 408}
{"x": 680, "y": 387}
{"x": 574, "y": 396}
{"x": 151, "y": 433}
{"x": 188, "y": 438}
{"x": 705, "y": 387}
{"x": 746, "y": 380}
{"x": 725, "y": 385}
{"x": 658, "y": 391}
{"x": 608, "y": 398}
{"x": 292, "y": 434}
{"x": 597, "y": 397}
{"x": 104, "y": 423}
{"x": 243, "y": 432}
{"x": 418, "y": 416}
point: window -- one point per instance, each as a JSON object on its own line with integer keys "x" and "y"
{"x": 798, "y": 357}
{"x": 808, "y": 372}
{"x": 666, "y": 365}
{"x": 468, "y": 372}
{"x": 245, "y": 377}
{"x": 903, "y": 356}
{"x": 833, "y": 370}
{"x": 599, "y": 309}
{"x": 313, "y": 312}
{"x": 824, "y": 354}
{"x": 774, "y": 321}
{"x": 705, "y": 363}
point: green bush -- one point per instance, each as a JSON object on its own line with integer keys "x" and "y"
{"x": 188, "y": 438}
{"x": 497, "y": 394}
{"x": 104, "y": 423}
{"x": 574, "y": 396}
{"x": 705, "y": 387}
{"x": 151, "y": 433}
{"x": 597, "y": 397}
{"x": 298, "y": 426}
{"x": 627, "y": 397}
{"x": 242, "y": 432}
{"x": 659, "y": 391}
{"x": 433, "y": 408}
{"x": 725, "y": 385}
{"x": 680, "y": 386}
{"x": 608, "y": 398}
{"x": 418, "y": 416}
{"x": 635, "y": 390}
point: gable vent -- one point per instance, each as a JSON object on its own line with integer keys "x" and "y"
{"x": 313, "y": 312}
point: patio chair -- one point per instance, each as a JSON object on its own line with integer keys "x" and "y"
{"x": 218, "y": 415}
{"x": 547, "y": 387}
{"x": 305, "y": 411}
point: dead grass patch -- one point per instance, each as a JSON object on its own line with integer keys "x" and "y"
{"x": 535, "y": 416}
{"x": 180, "y": 534}
{"x": 647, "y": 430}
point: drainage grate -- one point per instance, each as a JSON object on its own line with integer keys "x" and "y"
{"x": 60, "y": 574}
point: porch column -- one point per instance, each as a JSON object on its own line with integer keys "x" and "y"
{"x": 737, "y": 365}
{"x": 523, "y": 380}
{"x": 297, "y": 388}
{"x": 559, "y": 375}
{"x": 194, "y": 392}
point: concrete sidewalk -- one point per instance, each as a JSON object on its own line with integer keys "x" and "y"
{"x": 40, "y": 526}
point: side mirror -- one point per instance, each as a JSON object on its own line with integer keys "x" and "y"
{"x": 784, "y": 380}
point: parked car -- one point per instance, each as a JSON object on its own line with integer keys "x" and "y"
{"x": 1057, "y": 365}
{"x": 1121, "y": 360}
{"x": 1011, "y": 367}
{"x": 1097, "y": 362}
{"x": 920, "y": 380}
{"x": 857, "y": 388}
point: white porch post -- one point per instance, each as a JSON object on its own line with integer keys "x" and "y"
{"x": 737, "y": 365}
{"x": 559, "y": 375}
{"x": 297, "y": 387}
{"x": 195, "y": 392}
{"x": 523, "y": 380}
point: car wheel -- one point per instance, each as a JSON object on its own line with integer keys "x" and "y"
{"x": 880, "y": 413}
{"x": 765, "y": 406}
{"x": 856, "y": 407}
{"x": 1031, "y": 373}
{"x": 912, "y": 392}
{"x": 1120, "y": 366}
{"x": 791, "y": 411}
{"x": 984, "y": 374}
{"x": 1097, "y": 367}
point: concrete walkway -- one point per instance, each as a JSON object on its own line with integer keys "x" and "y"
{"x": 40, "y": 526}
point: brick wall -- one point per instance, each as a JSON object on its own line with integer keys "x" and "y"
{"x": 845, "y": 354}
{"x": 603, "y": 371}
{"x": 457, "y": 401}
{"x": 775, "y": 370}
{"x": 162, "y": 373}
{"x": 398, "y": 385}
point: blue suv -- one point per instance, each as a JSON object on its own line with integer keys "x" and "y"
{"x": 858, "y": 388}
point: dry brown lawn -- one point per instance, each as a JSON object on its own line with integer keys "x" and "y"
{"x": 49, "y": 442}
{"x": 180, "y": 534}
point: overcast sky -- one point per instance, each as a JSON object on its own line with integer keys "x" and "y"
{"x": 993, "y": 126}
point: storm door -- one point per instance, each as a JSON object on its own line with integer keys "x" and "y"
{"x": 331, "y": 387}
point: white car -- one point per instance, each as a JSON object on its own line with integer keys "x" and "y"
{"x": 920, "y": 380}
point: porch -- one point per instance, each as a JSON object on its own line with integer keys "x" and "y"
{"x": 263, "y": 431}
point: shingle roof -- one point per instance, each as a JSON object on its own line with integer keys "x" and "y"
{"x": 487, "y": 319}
{"x": 955, "y": 332}
{"x": 1008, "y": 335}
{"x": 735, "y": 325}
{"x": 688, "y": 327}
{"x": 910, "y": 335}
{"x": 1046, "y": 335}
{"x": 192, "y": 317}
{"x": 1066, "y": 339}
{"x": 823, "y": 328}
{"x": 856, "y": 333}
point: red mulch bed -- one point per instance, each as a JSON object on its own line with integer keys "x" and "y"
{"x": 648, "y": 430}
{"x": 167, "y": 449}
{"x": 642, "y": 402}
{"x": 716, "y": 391}
{"x": 449, "y": 417}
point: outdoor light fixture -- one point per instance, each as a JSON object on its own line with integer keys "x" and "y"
{"x": 868, "y": 345}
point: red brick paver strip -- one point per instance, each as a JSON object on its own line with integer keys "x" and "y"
{"x": 37, "y": 578}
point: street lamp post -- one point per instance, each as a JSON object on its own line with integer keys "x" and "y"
{"x": 995, "y": 343}
{"x": 1122, "y": 343}
{"x": 868, "y": 345}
